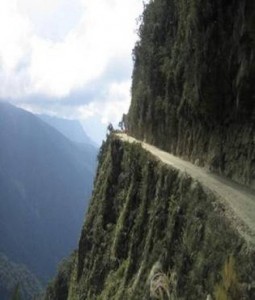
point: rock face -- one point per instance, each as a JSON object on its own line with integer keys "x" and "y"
{"x": 152, "y": 229}
{"x": 193, "y": 90}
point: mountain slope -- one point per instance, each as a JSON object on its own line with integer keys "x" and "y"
{"x": 192, "y": 91}
{"x": 12, "y": 276}
{"x": 45, "y": 183}
{"x": 71, "y": 129}
{"x": 239, "y": 202}
{"x": 147, "y": 219}
{"x": 153, "y": 230}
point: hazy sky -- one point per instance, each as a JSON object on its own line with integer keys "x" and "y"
{"x": 70, "y": 58}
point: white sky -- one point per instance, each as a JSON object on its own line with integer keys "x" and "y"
{"x": 51, "y": 50}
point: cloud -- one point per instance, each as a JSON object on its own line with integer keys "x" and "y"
{"x": 55, "y": 67}
{"x": 104, "y": 32}
{"x": 108, "y": 105}
{"x": 14, "y": 30}
{"x": 110, "y": 108}
{"x": 69, "y": 58}
{"x": 51, "y": 19}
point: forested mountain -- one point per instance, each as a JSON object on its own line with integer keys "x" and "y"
{"x": 17, "y": 277}
{"x": 155, "y": 228}
{"x": 193, "y": 91}
{"x": 45, "y": 184}
{"x": 153, "y": 232}
{"x": 71, "y": 129}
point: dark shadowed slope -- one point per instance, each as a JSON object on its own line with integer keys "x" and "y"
{"x": 45, "y": 183}
{"x": 193, "y": 91}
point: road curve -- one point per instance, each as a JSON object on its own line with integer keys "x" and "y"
{"x": 237, "y": 199}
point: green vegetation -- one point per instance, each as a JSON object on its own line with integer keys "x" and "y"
{"x": 58, "y": 288}
{"x": 17, "y": 282}
{"x": 16, "y": 293}
{"x": 193, "y": 83}
{"x": 151, "y": 230}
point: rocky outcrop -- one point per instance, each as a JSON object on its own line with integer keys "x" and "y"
{"x": 193, "y": 90}
{"x": 153, "y": 230}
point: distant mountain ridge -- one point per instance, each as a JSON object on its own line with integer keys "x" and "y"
{"x": 45, "y": 183}
{"x": 71, "y": 129}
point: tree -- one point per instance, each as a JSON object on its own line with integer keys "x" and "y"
{"x": 16, "y": 293}
{"x": 110, "y": 128}
{"x": 123, "y": 123}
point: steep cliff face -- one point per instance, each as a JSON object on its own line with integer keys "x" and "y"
{"x": 153, "y": 232}
{"x": 151, "y": 228}
{"x": 193, "y": 90}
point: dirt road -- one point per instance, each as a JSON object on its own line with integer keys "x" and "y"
{"x": 238, "y": 200}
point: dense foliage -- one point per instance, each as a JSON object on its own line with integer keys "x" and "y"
{"x": 193, "y": 89}
{"x": 152, "y": 232}
{"x": 144, "y": 218}
{"x": 59, "y": 286}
